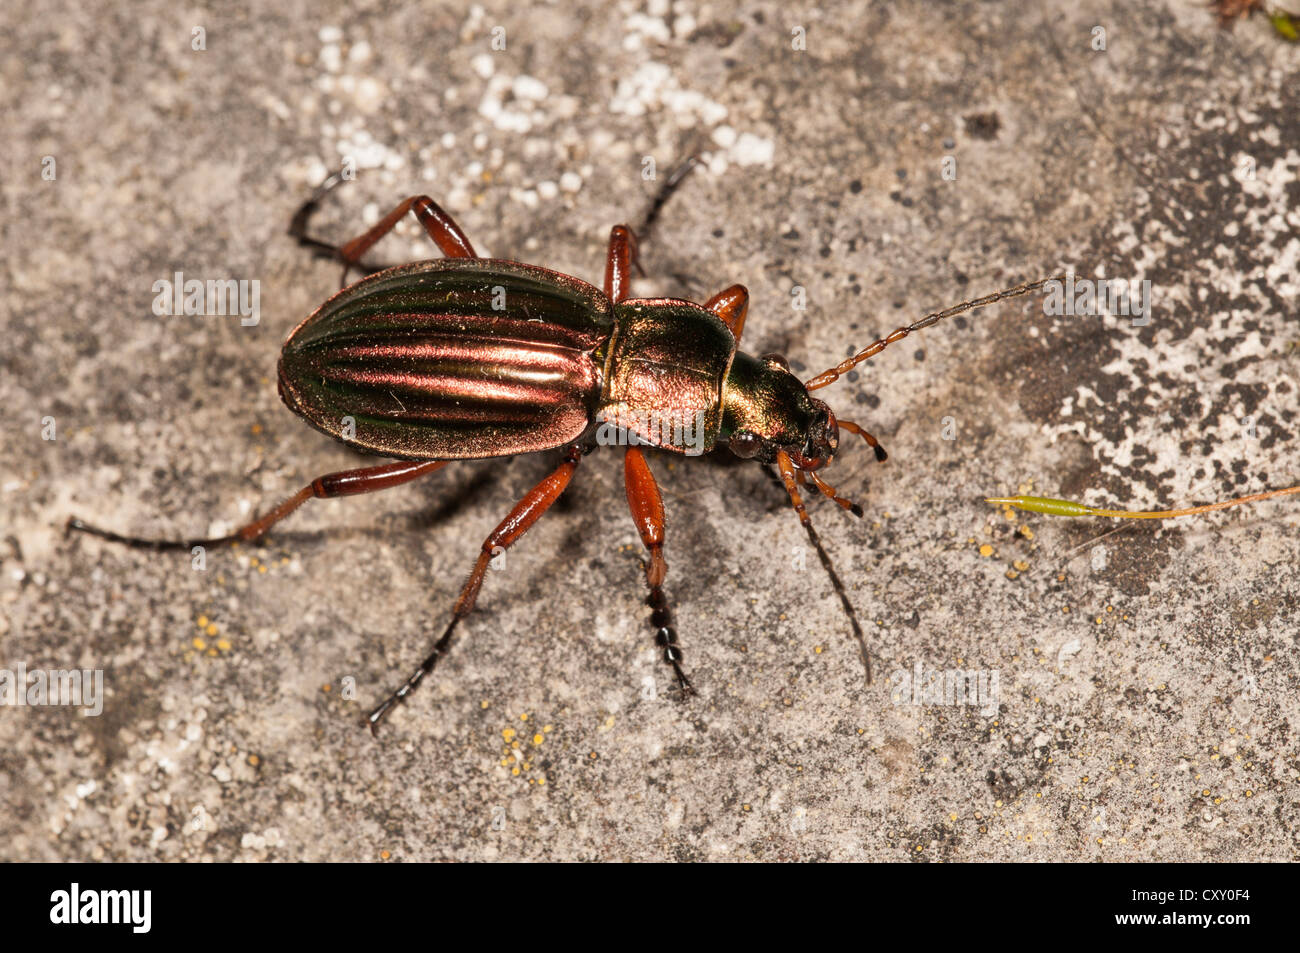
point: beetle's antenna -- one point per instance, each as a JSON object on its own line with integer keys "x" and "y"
{"x": 1051, "y": 507}
{"x": 832, "y": 375}
{"x": 788, "y": 479}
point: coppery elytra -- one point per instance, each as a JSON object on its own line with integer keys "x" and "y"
{"x": 465, "y": 358}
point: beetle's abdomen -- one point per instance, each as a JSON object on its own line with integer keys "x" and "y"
{"x": 451, "y": 359}
{"x": 667, "y": 362}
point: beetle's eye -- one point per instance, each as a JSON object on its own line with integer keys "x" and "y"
{"x": 777, "y": 359}
{"x": 745, "y": 443}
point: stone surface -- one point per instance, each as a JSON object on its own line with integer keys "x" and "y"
{"x": 1146, "y": 673}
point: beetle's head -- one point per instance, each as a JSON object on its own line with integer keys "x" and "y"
{"x": 766, "y": 411}
{"x": 822, "y": 442}
{"x": 769, "y": 415}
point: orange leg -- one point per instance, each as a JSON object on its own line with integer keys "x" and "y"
{"x": 444, "y": 231}
{"x": 647, "y": 506}
{"x": 527, "y": 512}
{"x": 872, "y": 442}
{"x": 343, "y": 483}
{"x": 620, "y": 258}
{"x": 731, "y": 306}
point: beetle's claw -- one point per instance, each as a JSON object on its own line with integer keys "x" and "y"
{"x": 376, "y": 717}
{"x": 683, "y": 684}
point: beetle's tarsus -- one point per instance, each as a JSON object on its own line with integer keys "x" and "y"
{"x": 318, "y": 247}
{"x": 378, "y": 715}
{"x": 136, "y": 541}
{"x": 381, "y": 710}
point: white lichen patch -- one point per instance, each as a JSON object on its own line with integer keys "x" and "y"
{"x": 1147, "y": 420}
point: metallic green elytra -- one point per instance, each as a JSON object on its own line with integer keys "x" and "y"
{"x": 451, "y": 359}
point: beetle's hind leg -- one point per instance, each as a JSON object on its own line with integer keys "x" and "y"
{"x": 320, "y": 248}
{"x": 301, "y": 218}
{"x": 342, "y": 483}
{"x": 526, "y": 512}
{"x": 647, "y": 506}
{"x": 440, "y": 226}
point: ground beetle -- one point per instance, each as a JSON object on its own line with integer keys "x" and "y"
{"x": 465, "y": 357}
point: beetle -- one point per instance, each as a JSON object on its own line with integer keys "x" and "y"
{"x": 463, "y": 358}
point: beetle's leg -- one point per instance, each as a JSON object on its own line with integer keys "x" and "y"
{"x": 320, "y": 248}
{"x": 665, "y": 193}
{"x": 647, "y": 506}
{"x": 298, "y": 224}
{"x": 788, "y": 477}
{"x": 526, "y": 512}
{"x": 619, "y": 260}
{"x": 872, "y": 442}
{"x": 622, "y": 256}
{"x": 343, "y": 483}
{"x": 731, "y": 306}
{"x": 444, "y": 231}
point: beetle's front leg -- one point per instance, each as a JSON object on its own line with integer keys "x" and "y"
{"x": 647, "y": 506}
{"x": 731, "y": 305}
{"x": 526, "y": 512}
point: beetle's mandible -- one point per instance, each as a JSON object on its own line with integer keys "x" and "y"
{"x": 464, "y": 357}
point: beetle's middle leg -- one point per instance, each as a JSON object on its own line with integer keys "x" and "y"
{"x": 619, "y": 260}
{"x": 647, "y": 506}
{"x": 526, "y": 512}
{"x": 622, "y": 256}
